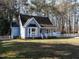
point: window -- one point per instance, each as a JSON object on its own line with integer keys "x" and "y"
{"x": 33, "y": 30}
{"x": 29, "y": 31}
{"x": 47, "y": 31}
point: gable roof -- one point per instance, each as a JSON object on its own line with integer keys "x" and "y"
{"x": 43, "y": 21}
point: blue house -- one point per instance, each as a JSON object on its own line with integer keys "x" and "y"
{"x": 27, "y": 26}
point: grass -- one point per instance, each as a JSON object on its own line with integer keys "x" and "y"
{"x": 47, "y": 41}
{"x": 40, "y": 49}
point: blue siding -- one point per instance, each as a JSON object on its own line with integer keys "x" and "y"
{"x": 15, "y": 31}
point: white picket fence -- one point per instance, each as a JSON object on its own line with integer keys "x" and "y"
{"x": 69, "y": 35}
{"x": 58, "y": 34}
{"x": 65, "y": 35}
{"x": 5, "y": 37}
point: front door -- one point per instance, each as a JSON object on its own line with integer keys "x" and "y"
{"x": 32, "y": 32}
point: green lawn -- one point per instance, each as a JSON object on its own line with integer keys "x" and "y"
{"x": 40, "y": 49}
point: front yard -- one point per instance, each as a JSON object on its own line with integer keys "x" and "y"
{"x": 40, "y": 49}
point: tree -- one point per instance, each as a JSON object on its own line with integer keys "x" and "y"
{"x": 4, "y": 26}
{"x": 64, "y": 9}
{"x": 4, "y": 18}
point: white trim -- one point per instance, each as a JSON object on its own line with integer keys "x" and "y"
{"x": 22, "y": 29}
{"x": 48, "y": 27}
{"x": 29, "y": 20}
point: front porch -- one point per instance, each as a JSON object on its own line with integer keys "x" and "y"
{"x": 35, "y": 32}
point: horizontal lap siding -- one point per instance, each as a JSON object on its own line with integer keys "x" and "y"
{"x": 15, "y": 31}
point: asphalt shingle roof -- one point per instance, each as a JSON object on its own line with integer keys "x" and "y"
{"x": 43, "y": 21}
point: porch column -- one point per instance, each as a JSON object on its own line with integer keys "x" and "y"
{"x": 23, "y": 33}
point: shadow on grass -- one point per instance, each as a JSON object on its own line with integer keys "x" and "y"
{"x": 53, "y": 37}
{"x": 40, "y": 51}
{"x": 60, "y": 37}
